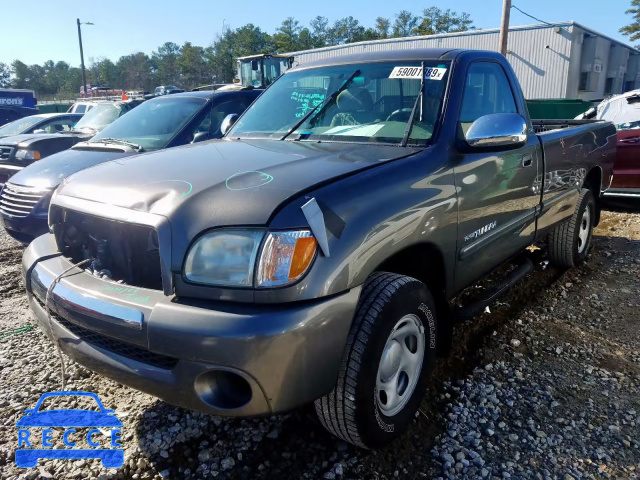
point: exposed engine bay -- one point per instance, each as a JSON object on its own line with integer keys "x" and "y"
{"x": 122, "y": 252}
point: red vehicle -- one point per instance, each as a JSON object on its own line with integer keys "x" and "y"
{"x": 624, "y": 111}
{"x": 626, "y": 170}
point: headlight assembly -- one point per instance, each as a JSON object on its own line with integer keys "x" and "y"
{"x": 228, "y": 258}
{"x": 224, "y": 258}
{"x": 23, "y": 154}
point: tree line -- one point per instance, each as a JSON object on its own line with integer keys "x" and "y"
{"x": 190, "y": 65}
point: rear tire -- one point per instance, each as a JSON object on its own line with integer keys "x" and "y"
{"x": 569, "y": 242}
{"x": 387, "y": 362}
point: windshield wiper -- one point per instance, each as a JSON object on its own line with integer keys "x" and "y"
{"x": 407, "y": 131}
{"x": 135, "y": 146}
{"x": 321, "y": 106}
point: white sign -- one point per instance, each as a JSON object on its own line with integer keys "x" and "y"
{"x": 434, "y": 73}
{"x": 406, "y": 72}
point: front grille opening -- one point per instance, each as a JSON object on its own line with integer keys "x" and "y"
{"x": 119, "y": 251}
{"x": 114, "y": 345}
{"x": 18, "y": 201}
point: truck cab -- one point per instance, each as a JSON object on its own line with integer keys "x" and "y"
{"x": 315, "y": 254}
{"x": 260, "y": 71}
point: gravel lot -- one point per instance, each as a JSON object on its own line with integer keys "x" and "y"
{"x": 546, "y": 385}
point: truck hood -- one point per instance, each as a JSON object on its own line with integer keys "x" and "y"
{"x": 26, "y": 138}
{"x": 50, "y": 171}
{"x": 29, "y": 138}
{"x": 222, "y": 182}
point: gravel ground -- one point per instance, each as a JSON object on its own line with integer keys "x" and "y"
{"x": 545, "y": 385}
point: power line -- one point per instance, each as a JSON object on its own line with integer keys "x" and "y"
{"x": 531, "y": 16}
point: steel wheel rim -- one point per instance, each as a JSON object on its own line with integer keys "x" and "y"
{"x": 400, "y": 365}
{"x": 583, "y": 232}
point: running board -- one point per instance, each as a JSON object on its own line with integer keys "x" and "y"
{"x": 471, "y": 309}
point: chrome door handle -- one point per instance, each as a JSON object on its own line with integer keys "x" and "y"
{"x": 527, "y": 161}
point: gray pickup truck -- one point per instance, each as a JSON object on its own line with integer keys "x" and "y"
{"x": 312, "y": 255}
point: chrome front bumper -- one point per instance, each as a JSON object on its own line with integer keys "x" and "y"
{"x": 169, "y": 347}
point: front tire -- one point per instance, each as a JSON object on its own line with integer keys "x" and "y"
{"x": 569, "y": 242}
{"x": 387, "y": 363}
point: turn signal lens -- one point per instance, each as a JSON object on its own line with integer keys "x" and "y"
{"x": 23, "y": 154}
{"x": 286, "y": 256}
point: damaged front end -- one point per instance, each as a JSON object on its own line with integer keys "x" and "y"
{"x": 122, "y": 252}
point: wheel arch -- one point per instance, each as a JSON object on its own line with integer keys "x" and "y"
{"x": 425, "y": 262}
{"x": 593, "y": 181}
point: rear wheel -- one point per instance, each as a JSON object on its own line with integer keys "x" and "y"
{"x": 387, "y": 362}
{"x": 569, "y": 242}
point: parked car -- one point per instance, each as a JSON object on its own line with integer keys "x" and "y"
{"x": 42, "y": 123}
{"x": 311, "y": 255}
{"x": 82, "y": 106}
{"x": 167, "y": 89}
{"x": 18, "y": 151}
{"x": 163, "y": 122}
{"x": 624, "y": 112}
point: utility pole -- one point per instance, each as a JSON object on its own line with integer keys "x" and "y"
{"x": 84, "y": 77}
{"x": 504, "y": 26}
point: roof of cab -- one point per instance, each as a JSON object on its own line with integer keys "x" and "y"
{"x": 204, "y": 93}
{"x": 385, "y": 56}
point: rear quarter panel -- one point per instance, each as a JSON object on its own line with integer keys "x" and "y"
{"x": 569, "y": 156}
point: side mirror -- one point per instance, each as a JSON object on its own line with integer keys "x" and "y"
{"x": 39, "y": 130}
{"x": 200, "y": 137}
{"x": 227, "y": 123}
{"x": 497, "y": 130}
{"x": 254, "y": 65}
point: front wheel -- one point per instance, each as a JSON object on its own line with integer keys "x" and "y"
{"x": 387, "y": 362}
{"x": 569, "y": 242}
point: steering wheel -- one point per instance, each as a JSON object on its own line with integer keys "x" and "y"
{"x": 401, "y": 115}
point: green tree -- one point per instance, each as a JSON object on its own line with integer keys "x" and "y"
{"x": 345, "y": 30}
{"x": 633, "y": 29}
{"x": 192, "y": 65}
{"x": 249, "y": 40}
{"x": 220, "y": 58}
{"x": 22, "y": 77}
{"x": 382, "y": 27}
{"x": 435, "y": 20}
{"x": 287, "y": 35}
{"x": 165, "y": 62}
{"x": 404, "y": 24}
{"x": 137, "y": 72}
{"x": 5, "y": 75}
{"x": 319, "y": 31}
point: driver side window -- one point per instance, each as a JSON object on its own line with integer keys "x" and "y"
{"x": 487, "y": 90}
{"x": 213, "y": 120}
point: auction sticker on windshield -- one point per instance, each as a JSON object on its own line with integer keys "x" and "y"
{"x": 434, "y": 73}
{"x": 406, "y": 72}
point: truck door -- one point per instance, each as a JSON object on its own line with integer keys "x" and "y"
{"x": 626, "y": 169}
{"x": 497, "y": 194}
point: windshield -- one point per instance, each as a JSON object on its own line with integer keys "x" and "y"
{"x": 20, "y": 125}
{"x": 375, "y": 106}
{"x": 153, "y": 124}
{"x": 99, "y": 117}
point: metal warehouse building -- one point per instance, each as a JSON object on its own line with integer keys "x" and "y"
{"x": 561, "y": 60}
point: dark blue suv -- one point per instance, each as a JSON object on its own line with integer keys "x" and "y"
{"x": 162, "y": 122}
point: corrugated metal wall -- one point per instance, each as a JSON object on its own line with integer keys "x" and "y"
{"x": 542, "y": 71}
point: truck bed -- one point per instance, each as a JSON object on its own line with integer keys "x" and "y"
{"x": 543, "y": 125}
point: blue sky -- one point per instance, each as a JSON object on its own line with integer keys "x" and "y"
{"x": 47, "y": 30}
